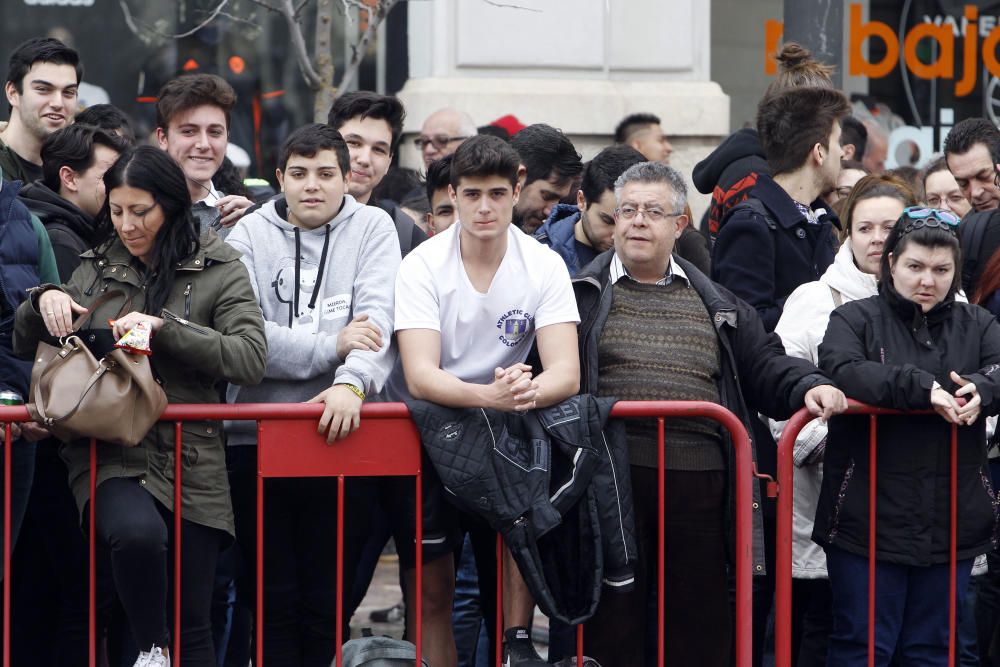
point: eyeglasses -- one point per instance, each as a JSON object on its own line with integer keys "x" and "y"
{"x": 919, "y": 216}
{"x": 651, "y": 214}
{"x": 439, "y": 142}
{"x": 953, "y": 199}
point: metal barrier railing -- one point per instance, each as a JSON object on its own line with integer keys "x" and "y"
{"x": 290, "y": 446}
{"x": 783, "y": 549}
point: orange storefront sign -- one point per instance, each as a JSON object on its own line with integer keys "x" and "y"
{"x": 943, "y": 33}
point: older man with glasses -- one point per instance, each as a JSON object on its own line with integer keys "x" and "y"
{"x": 442, "y": 133}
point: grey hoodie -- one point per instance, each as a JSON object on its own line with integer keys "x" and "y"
{"x": 355, "y": 274}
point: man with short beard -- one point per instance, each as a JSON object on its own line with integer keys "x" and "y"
{"x": 783, "y": 235}
{"x": 43, "y": 75}
{"x": 580, "y": 233}
{"x": 551, "y": 164}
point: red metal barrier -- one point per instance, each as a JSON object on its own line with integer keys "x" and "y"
{"x": 290, "y": 446}
{"x": 783, "y": 549}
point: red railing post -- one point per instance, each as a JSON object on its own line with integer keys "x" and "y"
{"x": 661, "y": 494}
{"x": 872, "y": 460}
{"x": 783, "y": 574}
{"x": 175, "y": 658}
{"x": 259, "y": 573}
{"x": 7, "y": 548}
{"x": 92, "y": 552}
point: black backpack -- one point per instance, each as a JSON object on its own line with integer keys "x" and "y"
{"x": 971, "y": 233}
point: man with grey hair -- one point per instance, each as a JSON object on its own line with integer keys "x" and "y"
{"x": 443, "y": 132}
{"x": 655, "y": 328}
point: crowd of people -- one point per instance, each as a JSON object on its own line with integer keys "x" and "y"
{"x": 508, "y": 293}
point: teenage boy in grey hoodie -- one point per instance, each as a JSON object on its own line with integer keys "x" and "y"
{"x": 323, "y": 267}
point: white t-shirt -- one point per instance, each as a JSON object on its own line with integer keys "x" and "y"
{"x": 481, "y": 332}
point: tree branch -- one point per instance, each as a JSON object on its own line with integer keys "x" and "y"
{"x": 204, "y": 23}
{"x": 287, "y": 10}
{"x": 376, "y": 15}
{"x": 266, "y": 5}
{"x": 508, "y": 6}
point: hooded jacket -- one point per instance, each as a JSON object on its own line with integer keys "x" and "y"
{"x": 801, "y": 328}
{"x": 766, "y": 248}
{"x": 729, "y": 173}
{"x": 559, "y": 233}
{"x": 71, "y": 230}
{"x": 310, "y": 283}
{"x": 886, "y": 352}
{"x": 212, "y": 330}
{"x": 553, "y": 482}
{"x": 775, "y": 383}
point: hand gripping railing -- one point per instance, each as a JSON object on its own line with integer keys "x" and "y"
{"x": 290, "y": 446}
{"x": 783, "y": 550}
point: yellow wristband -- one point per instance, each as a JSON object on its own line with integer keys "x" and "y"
{"x": 357, "y": 392}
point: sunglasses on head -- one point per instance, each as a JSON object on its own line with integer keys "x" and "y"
{"x": 922, "y": 216}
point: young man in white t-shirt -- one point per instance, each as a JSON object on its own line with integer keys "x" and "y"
{"x": 471, "y": 302}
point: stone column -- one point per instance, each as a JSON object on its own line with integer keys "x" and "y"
{"x": 579, "y": 65}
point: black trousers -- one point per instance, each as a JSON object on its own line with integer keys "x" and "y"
{"x": 138, "y": 532}
{"x": 697, "y": 626}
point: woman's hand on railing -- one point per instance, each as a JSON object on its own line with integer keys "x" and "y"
{"x": 968, "y": 391}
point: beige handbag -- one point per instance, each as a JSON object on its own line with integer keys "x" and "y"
{"x": 75, "y": 395}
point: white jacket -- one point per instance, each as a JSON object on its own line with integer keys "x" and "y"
{"x": 801, "y": 328}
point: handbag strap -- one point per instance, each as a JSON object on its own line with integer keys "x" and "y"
{"x": 102, "y": 368}
{"x": 101, "y": 300}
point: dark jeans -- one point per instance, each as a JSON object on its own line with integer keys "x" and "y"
{"x": 50, "y": 572}
{"x": 138, "y": 531}
{"x": 22, "y": 465}
{"x": 911, "y": 611}
{"x": 812, "y": 620}
{"x": 300, "y": 561}
{"x": 697, "y": 615}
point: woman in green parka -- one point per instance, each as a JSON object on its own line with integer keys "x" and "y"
{"x": 196, "y": 296}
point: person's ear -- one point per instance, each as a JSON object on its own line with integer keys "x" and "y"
{"x": 453, "y": 196}
{"x": 682, "y": 222}
{"x": 12, "y": 95}
{"x": 522, "y": 176}
{"x": 518, "y": 187}
{"x": 281, "y": 179}
{"x": 581, "y": 203}
{"x": 67, "y": 179}
{"x": 848, "y": 151}
{"x": 161, "y": 137}
{"x": 429, "y": 217}
{"x": 819, "y": 153}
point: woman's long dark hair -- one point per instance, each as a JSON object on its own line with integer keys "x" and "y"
{"x": 153, "y": 170}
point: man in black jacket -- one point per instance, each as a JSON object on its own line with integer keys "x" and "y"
{"x": 783, "y": 235}
{"x": 71, "y": 192}
{"x": 654, "y": 328}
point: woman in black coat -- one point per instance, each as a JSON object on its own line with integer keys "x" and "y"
{"x": 912, "y": 347}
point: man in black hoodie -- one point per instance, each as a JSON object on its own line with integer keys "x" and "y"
{"x": 71, "y": 191}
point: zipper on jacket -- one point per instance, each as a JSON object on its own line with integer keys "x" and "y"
{"x": 185, "y": 323}
{"x": 618, "y": 495}
{"x": 187, "y": 301}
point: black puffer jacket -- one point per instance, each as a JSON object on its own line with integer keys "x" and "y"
{"x": 884, "y": 351}
{"x": 755, "y": 373}
{"x": 553, "y": 482}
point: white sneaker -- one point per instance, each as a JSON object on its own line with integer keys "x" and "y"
{"x": 154, "y": 658}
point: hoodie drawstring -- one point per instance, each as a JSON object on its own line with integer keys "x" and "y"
{"x": 319, "y": 275}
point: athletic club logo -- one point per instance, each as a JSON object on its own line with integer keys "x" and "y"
{"x": 513, "y": 326}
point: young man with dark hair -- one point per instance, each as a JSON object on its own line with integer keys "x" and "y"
{"x": 471, "y": 302}
{"x": 43, "y": 76}
{"x": 581, "y": 232}
{"x": 110, "y": 119}
{"x": 783, "y": 235}
{"x": 551, "y": 164}
{"x": 322, "y": 266}
{"x": 372, "y": 125}
{"x": 853, "y": 138}
{"x": 71, "y": 192}
{"x": 642, "y": 131}
{"x": 192, "y": 125}
{"x": 442, "y": 214}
